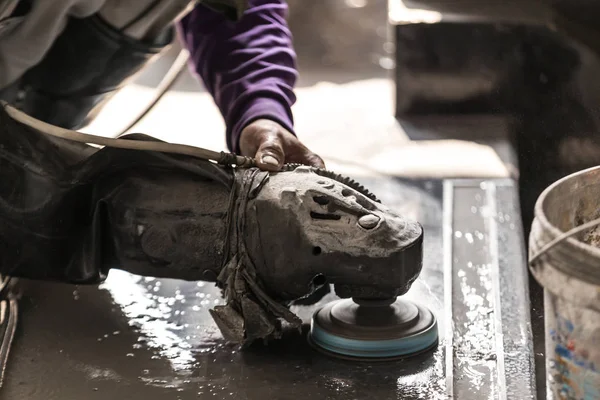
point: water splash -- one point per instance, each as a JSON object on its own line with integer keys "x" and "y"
{"x": 150, "y": 314}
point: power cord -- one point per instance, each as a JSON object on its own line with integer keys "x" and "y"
{"x": 161, "y": 147}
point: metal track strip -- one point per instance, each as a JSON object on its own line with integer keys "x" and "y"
{"x": 481, "y": 274}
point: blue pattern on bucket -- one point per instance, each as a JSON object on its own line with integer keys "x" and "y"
{"x": 577, "y": 375}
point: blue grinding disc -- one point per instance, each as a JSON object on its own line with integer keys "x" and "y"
{"x": 372, "y": 330}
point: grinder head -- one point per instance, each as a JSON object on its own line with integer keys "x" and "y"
{"x": 315, "y": 228}
{"x": 299, "y": 230}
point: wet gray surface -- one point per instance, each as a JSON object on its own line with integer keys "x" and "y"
{"x": 141, "y": 338}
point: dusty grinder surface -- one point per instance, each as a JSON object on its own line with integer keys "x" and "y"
{"x": 373, "y": 329}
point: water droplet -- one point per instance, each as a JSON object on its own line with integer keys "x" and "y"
{"x": 95, "y": 389}
{"x": 200, "y": 284}
{"x": 146, "y": 371}
{"x": 130, "y": 355}
{"x": 389, "y": 47}
{"x": 116, "y": 332}
{"x": 458, "y": 234}
{"x": 196, "y": 308}
{"x": 386, "y": 62}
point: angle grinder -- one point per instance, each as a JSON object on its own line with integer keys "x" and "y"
{"x": 372, "y": 323}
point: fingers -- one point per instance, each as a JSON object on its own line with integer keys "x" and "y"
{"x": 302, "y": 155}
{"x": 314, "y": 160}
{"x": 270, "y": 155}
{"x": 272, "y": 146}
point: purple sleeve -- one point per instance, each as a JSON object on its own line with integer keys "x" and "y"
{"x": 249, "y": 67}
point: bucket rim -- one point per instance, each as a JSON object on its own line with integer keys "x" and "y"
{"x": 551, "y": 228}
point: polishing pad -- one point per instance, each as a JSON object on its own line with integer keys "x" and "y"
{"x": 373, "y": 329}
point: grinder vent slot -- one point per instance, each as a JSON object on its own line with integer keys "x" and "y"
{"x": 321, "y": 200}
{"x": 331, "y": 217}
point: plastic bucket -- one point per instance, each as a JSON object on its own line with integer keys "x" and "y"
{"x": 569, "y": 272}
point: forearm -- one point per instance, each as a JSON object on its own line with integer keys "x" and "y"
{"x": 249, "y": 67}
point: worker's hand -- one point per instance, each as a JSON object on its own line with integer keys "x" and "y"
{"x": 272, "y": 145}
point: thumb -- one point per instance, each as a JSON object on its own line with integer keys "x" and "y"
{"x": 270, "y": 155}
